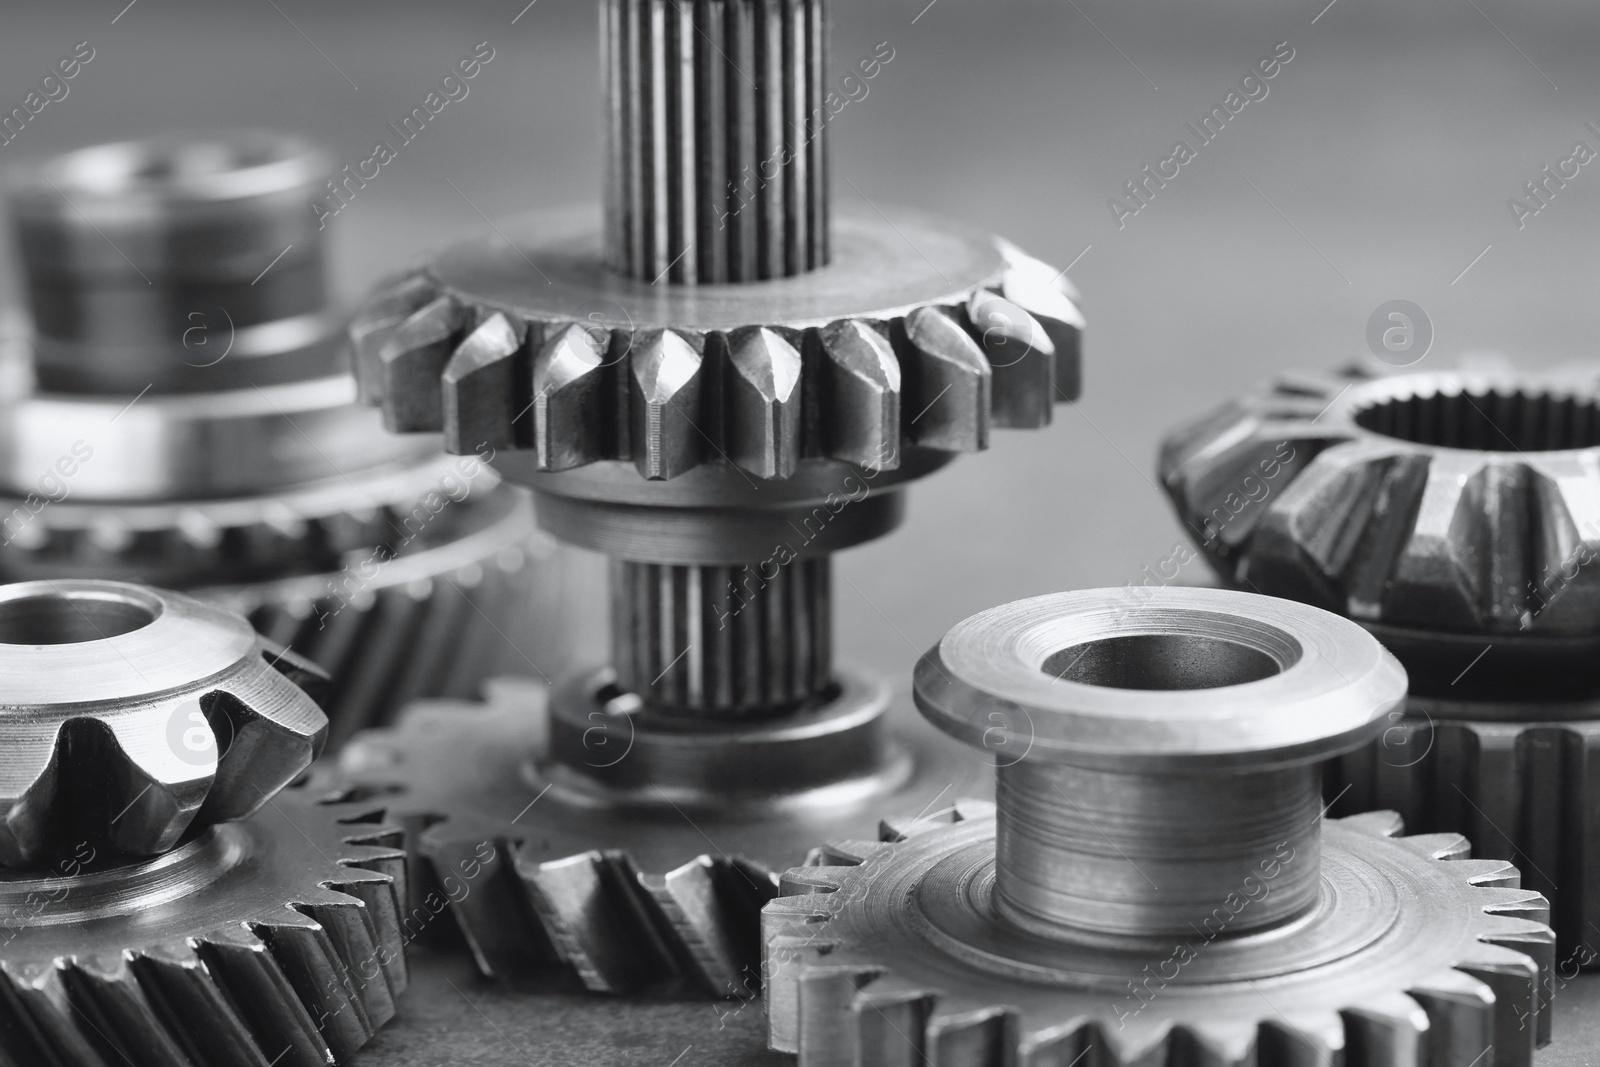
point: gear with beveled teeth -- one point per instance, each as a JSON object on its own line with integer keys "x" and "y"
{"x": 273, "y": 941}
{"x": 134, "y": 716}
{"x": 856, "y": 972}
{"x": 1455, "y": 515}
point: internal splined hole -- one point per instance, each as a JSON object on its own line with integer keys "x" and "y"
{"x": 1489, "y": 421}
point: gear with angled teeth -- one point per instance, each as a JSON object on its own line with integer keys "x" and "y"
{"x": 180, "y": 416}
{"x": 1455, "y": 515}
{"x": 716, "y": 384}
{"x": 273, "y": 941}
{"x": 1155, "y": 883}
{"x": 134, "y": 716}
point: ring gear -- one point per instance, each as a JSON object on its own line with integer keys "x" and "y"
{"x": 1453, "y": 514}
{"x": 860, "y": 969}
{"x": 134, "y": 714}
{"x": 274, "y": 941}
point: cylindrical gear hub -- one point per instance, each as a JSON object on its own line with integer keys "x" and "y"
{"x": 191, "y": 425}
{"x": 1456, "y": 516}
{"x": 1155, "y": 883}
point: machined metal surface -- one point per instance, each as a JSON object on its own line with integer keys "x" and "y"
{"x": 180, "y": 416}
{"x": 1155, "y": 882}
{"x": 134, "y": 715}
{"x": 1454, "y": 515}
{"x": 632, "y": 849}
{"x": 278, "y": 939}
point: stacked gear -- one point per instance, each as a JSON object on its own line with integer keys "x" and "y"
{"x": 1155, "y": 883}
{"x": 187, "y": 423}
{"x": 167, "y": 896}
{"x": 717, "y": 385}
{"x": 1456, "y": 516}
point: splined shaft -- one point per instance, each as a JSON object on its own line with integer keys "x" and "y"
{"x": 716, "y": 167}
{"x": 722, "y": 640}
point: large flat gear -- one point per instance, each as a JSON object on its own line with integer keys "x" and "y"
{"x": 888, "y": 954}
{"x": 275, "y": 941}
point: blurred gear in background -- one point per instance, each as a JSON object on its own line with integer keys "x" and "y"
{"x": 1155, "y": 883}
{"x": 717, "y": 385}
{"x": 1455, "y": 515}
{"x": 183, "y": 417}
{"x": 142, "y": 723}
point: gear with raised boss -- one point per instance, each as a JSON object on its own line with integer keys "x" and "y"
{"x": 1455, "y": 515}
{"x": 1155, "y": 883}
{"x": 717, "y": 391}
{"x": 168, "y": 897}
{"x": 180, "y": 416}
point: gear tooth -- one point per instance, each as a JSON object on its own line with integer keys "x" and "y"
{"x": 121, "y": 1018}
{"x": 1061, "y": 1045}
{"x": 1568, "y": 532}
{"x": 273, "y": 728}
{"x": 379, "y": 943}
{"x": 197, "y": 1007}
{"x": 1136, "y": 1042}
{"x": 1375, "y": 823}
{"x": 49, "y": 1022}
{"x": 1446, "y": 846}
{"x": 947, "y": 383}
{"x": 1500, "y": 873}
{"x": 1389, "y": 1028}
{"x": 198, "y": 530}
{"x": 601, "y": 920}
{"x": 980, "y": 1037}
{"x": 379, "y": 317}
{"x": 860, "y": 391}
{"x": 29, "y": 778}
{"x": 567, "y": 392}
{"x": 764, "y": 403}
{"x": 890, "y": 1018}
{"x": 1036, "y": 271}
{"x": 811, "y": 1015}
{"x": 1021, "y": 357}
{"x": 1057, "y": 313}
{"x": 848, "y": 853}
{"x": 309, "y": 955}
{"x": 495, "y": 915}
{"x": 972, "y": 809}
{"x": 413, "y": 358}
{"x": 1461, "y": 1015}
{"x": 711, "y": 907}
{"x": 665, "y": 387}
{"x": 1439, "y": 574}
{"x": 108, "y": 533}
{"x": 362, "y": 958}
{"x": 1303, "y": 1039}
{"x": 482, "y": 402}
{"x": 1521, "y": 1016}
{"x": 267, "y": 997}
{"x": 153, "y": 790}
{"x": 1521, "y": 903}
{"x": 811, "y": 880}
{"x": 1222, "y": 1043}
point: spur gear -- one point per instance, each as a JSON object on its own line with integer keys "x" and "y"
{"x": 274, "y": 941}
{"x": 716, "y": 391}
{"x": 133, "y": 715}
{"x": 189, "y": 425}
{"x": 1155, "y": 883}
{"x": 1455, "y": 515}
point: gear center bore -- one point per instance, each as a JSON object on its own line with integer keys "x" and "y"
{"x": 1487, "y": 420}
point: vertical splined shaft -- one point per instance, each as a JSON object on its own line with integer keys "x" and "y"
{"x": 722, "y": 640}
{"x": 716, "y": 169}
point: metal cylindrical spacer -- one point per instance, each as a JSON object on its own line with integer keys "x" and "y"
{"x": 716, "y": 162}
{"x": 1157, "y": 751}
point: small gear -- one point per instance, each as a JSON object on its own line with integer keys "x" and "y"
{"x": 665, "y": 886}
{"x": 134, "y": 715}
{"x": 1155, "y": 883}
{"x": 1455, "y": 515}
{"x": 275, "y": 941}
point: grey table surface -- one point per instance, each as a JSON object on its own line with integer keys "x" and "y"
{"x": 1378, "y": 167}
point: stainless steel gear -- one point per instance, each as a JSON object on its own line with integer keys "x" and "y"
{"x": 717, "y": 386}
{"x": 1155, "y": 883}
{"x": 190, "y": 424}
{"x": 133, "y": 715}
{"x": 1455, "y": 515}
{"x": 274, "y": 941}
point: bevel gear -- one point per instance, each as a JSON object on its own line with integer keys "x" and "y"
{"x": 181, "y": 417}
{"x": 717, "y": 391}
{"x": 135, "y": 715}
{"x": 1456, "y": 516}
{"x": 1155, "y": 883}
{"x": 274, "y": 941}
